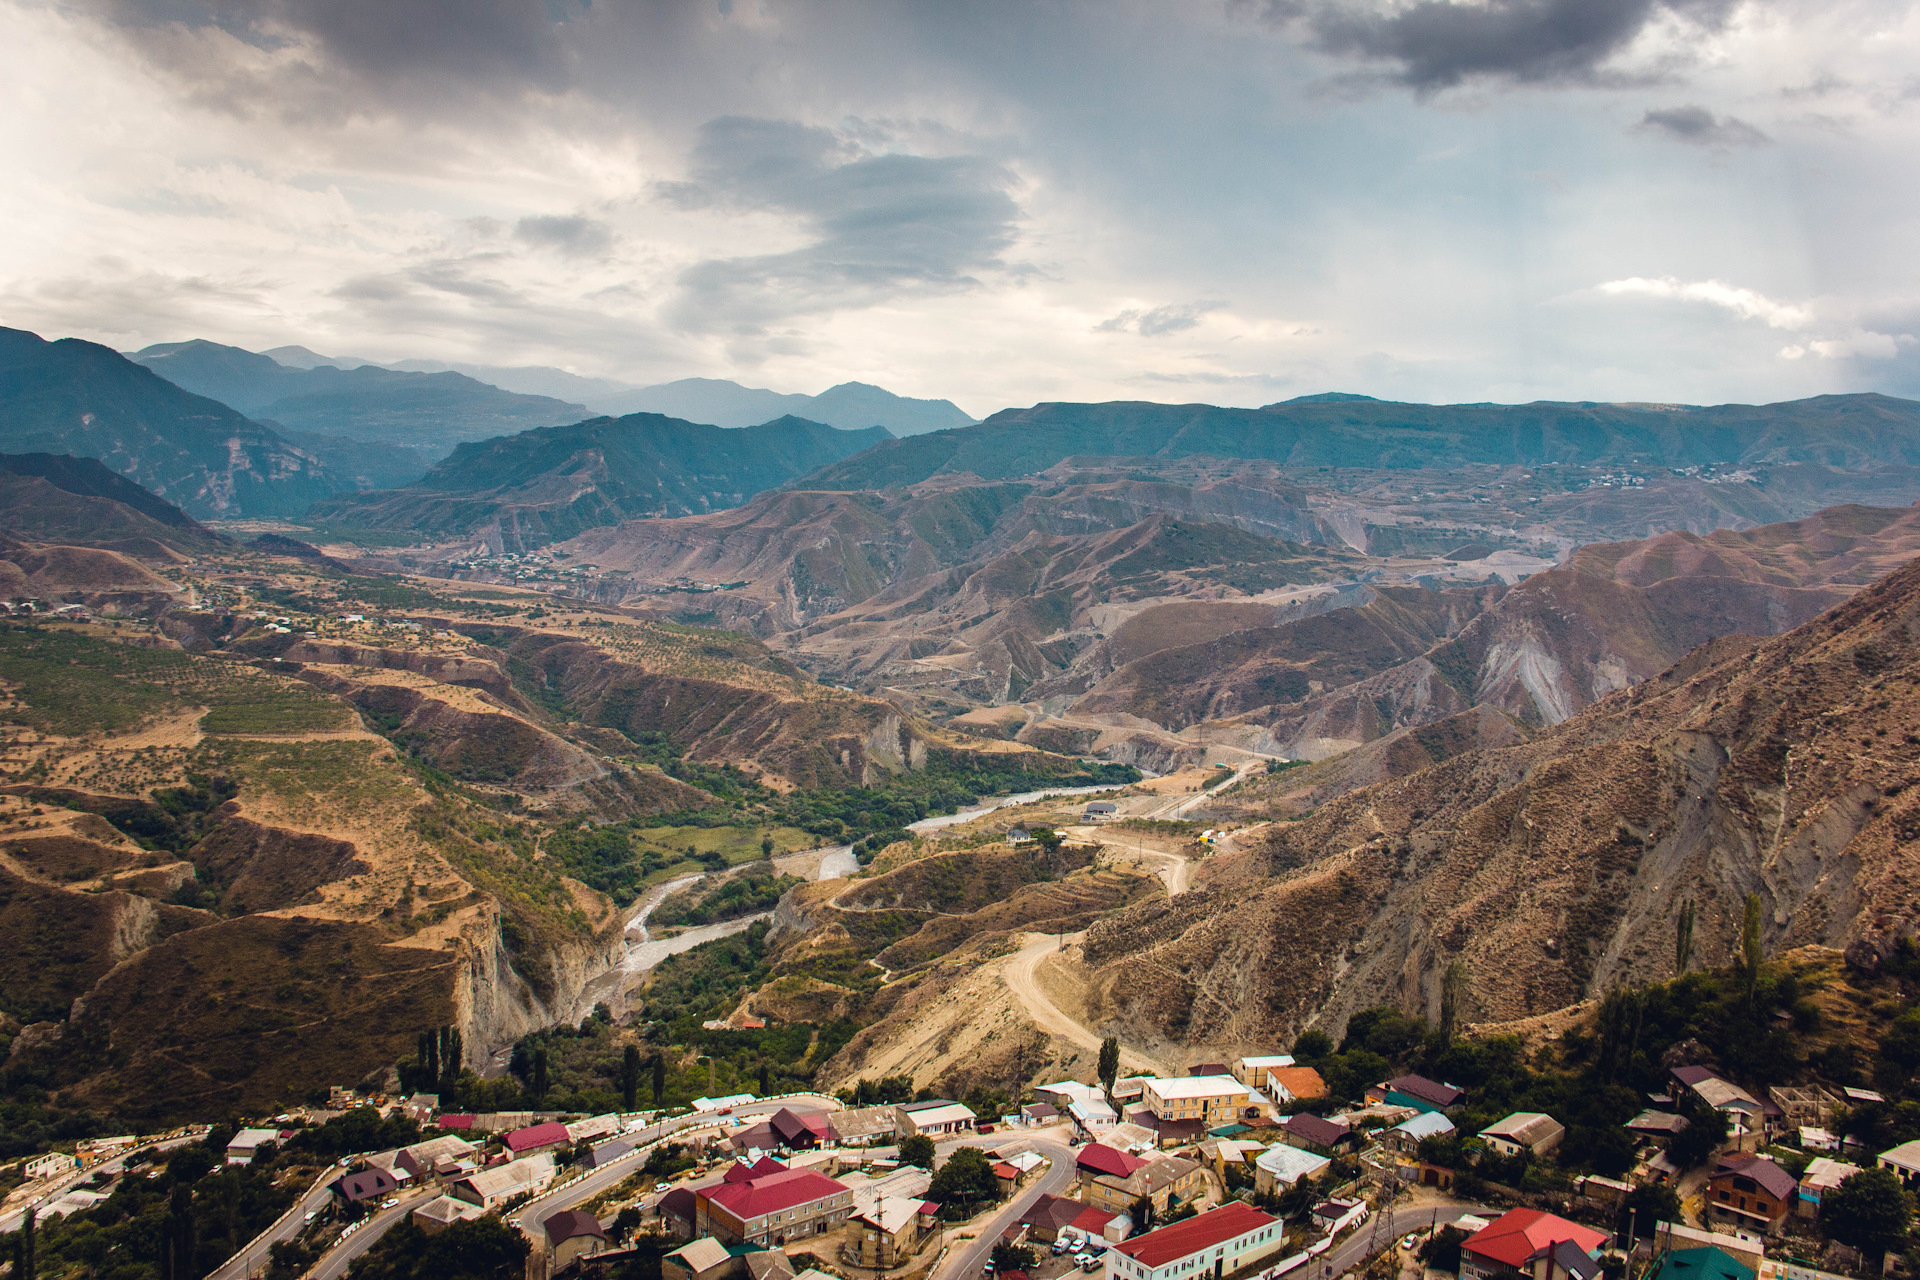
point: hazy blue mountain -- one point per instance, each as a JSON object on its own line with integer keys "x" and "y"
{"x": 424, "y": 411}
{"x": 849, "y": 406}
{"x": 530, "y": 380}
{"x": 549, "y": 484}
{"x": 1320, "y": 431}
{"x": 83, "y": 399}
{"x": 301, "y": 358}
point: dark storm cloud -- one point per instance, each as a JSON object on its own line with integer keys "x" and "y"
{"x": 1438, "y": 44}
{"x": 1699, "y": 127}
{"x": 885, "y": 224}
{"x": 572, "y": 235}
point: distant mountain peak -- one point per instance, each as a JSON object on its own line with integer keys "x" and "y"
{"x": 1329, "y": 397}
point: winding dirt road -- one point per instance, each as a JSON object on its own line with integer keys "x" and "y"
{"x": 1023, "y": 980}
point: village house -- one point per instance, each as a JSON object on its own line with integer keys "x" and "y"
{"x": 441, "y": 1212}
{"x": 773, "y": 1208}
{"x": 427, "y": 1159}
{"x": 241, "y": 1147}
{"x": 1251, "y": 1070}
{"x": 1115, "y": 1180}
{"x": 572, "y": 1233}
{"x": 1417, "y": 1092}
{"x": 538, "y": 1137}
{"x": 892, "y": 1231}
{"x": 491, "y": 1188}
{"x": 1822, "y": 1175}
{"x": 1704, "y": 1262}
{"x": 1904, "y": 1161}
{"x": 862, "y": 1125}
{"x": 1210, "y": 1100}
{"x": 1288, "y": 1085}
{"x": 1531, "y": 1243}
{"x": 1747, "y": 1112}
{"x": 1407, "y": 1136}
{"x": 678, "y": 1212}
{"x": 1215, "y": 1244}
{"x": 1656, "y": 1127}
{"x": 784, "y": 1130}
{"x": 1315, "y": 1133}
{"x": 1751, "y": 1192}
{"x": 364, "y": 1187}
{"x": 933, "y": 1118}
{"x": 703, "y": 1259}
{"x": 1101, "y": 811}
{"x": 1530, "y": 1131}
{"x": 1278, "y": 1169}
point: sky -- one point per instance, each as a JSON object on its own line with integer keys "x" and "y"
{"x": 1228, "y": 201}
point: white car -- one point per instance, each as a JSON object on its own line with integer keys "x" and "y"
{"x": 312, "y": 1214}
{"x": 390, "y": 1202}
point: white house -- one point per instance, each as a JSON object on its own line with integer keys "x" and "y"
{"x": 1215, "y": 1243}
{"x": 935, "y": 1116}
{"x": 244, "y": 1143}
{"x": 51, "y": 1165}
{"x": 1904, "y": 1160}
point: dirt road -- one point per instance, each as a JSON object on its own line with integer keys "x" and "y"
{"x": 1023, "y": 980}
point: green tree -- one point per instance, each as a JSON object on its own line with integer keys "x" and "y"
{"x": 1011, "y": 1257}
{"x": 483, "y": 1249}
{"x": 1900, "y": 1046}
{"x": 659, "y": 1079}
{"x": 1645, "y": 1208}
{"x": 1141, "y": 1211}
{"x": 766, "y": 845}
{"x": 1868, "y": 1211}
{"x": 766, "y": 1083}
{"x": 1312, "y": 1046}
{"x": 25, "y": 1265}
{"x": 1705, "y": 1133}
{"x": 1751, "y": 948}
{"x": 630, "y": 1077}
{"x": 917, "y": 1151}
{"x": 540, "y": 1073}
{"x": 1109, "y": 1067}
{"x": 964, "y": 1180}
{"x": 1683, "y": 937}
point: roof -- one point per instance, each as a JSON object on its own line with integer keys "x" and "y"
{"x": 941, "y": 1113}
{"x": 1519, "y": 1235}
{"x": 1195, "y": 1087}
{"x": 1575, "y": 1261}
{"x": 678, "y": 1202}
{"x": 433, "y": 1150}
{"x": 1001, "y": 1169}
{"x": 570, "y": 1224}
{"x": 1704, "y": 1263}
{"x": 1209, "y": 1069}
{"x": 454, "y": 1121}
{"x": 1823, "y": 1174}
{"x": 1290, "y": 1164}
{"x": 1658, "y": 1122}
{"x": 1053, "y": 1212}
{"x": 791, "y": 1124}
{"x": 1774, "y": 1180}
{"x": 1088, "y": 1110}
{"x": 365, "y": 1185}
{"x": 1098, "y": 1157}
{"x": 893, "y": 1213}
{"x": 1102, "y": 806}
{"x": 1905, "y": 1156}
{"x": 1428, "y": 1091}
{"x": 774, "y": 1192}
{"x": 703, "y": 1254}
{"x": 1317, "y": 1129}
{"x": 1301, "y": 1082}
{"x": 507, "y": 1177}
{"x": 1202, "y": 1231}
{"x": 1091, "y": 1220}
{"x": 1525, "y": 1128}
{"x": 248, "y": 1139}
{"x": 1260, "y": 1062}
{"x": 741, "y": 1171}
{"x": 863, "y": 1122}
{"x": 1428, "y": 1124}
{"x": 448, "y": 1209}
{"x": 537, "y": 1135}
{"x": 1040, "y": 1110}
{"x": 1719, "y": 1093}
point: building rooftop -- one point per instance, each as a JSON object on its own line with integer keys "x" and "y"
{"x": 447, "y": 1209}
{"x": 1774, "y": 1180}
{"x": 1904, "y": 1156}
{"x": 1202, "y": 1231}
{"x": 702, "y": 1255}
{"x": 1185, "y": 1087}
{"x": 1823, "y": 1174}
{"x": 1519, "y": 1235}
{"x": 1651, "y": 1121}
{"x": 1703, "y": 1263}
{"x": 774, "y": 1192}
{"x": 1317, "y": 1129}
{"x": 1432, "y": 1092}
{"x": 570, "y": 1224}
{"x": 535, "y": 1136}
{"x": 1524, "y": 1127}
{"x": 1099, "y": 1158}
{"x": 1301, "y": 1082}
{"x": 1428, "y": 1124}
{"x": 1290, "y": 1164}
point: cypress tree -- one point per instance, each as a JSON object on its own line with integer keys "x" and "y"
{"x": 25, "y": 1265}
{"x": 630, "y": 1077}
{"x": 1683, "y": 938}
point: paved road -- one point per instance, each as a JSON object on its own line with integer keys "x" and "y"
{"x": 13, "y": 1220}
{"x": 1356, "y": 1249}
{"x": 967, "y": 1259}
{"x": 337, "y": 1259}
{"x": 253, "y": 1259}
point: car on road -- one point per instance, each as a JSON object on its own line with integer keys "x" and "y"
{"x": 983, "y": 1128}
{"x": 390, "y": 1202}
{"x": 1408, "y": 1243}
{"x": 312, "y": 1214}
{"x": 663, "y": 1186}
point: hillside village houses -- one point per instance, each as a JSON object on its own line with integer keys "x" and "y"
{"x": 1210, "y": 1100}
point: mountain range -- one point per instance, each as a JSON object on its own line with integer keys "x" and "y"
{"x": 542, "y": 486}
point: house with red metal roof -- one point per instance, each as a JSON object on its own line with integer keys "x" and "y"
{"x": 772, "y": 1209}
{"x": 1097, "y": 1160}
{"x": 1526, "y": 1242}
{"x": 741, "y": 1171}
{"x": 1215, "y": 1243}
{"x": 537, "y": 1137}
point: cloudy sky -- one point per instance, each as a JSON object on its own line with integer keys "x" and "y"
{"x": 1233, "y": 201}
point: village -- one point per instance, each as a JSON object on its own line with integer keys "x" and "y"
{"x": 1232, "y": 1171}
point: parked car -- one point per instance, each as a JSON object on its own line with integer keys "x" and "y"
{"x": 1089, "y": 1263}
{"x": 312, "y": 1214}
{"x": 390, "y": 1202}
{"x": 663, "y": 1186}
{"x": 983, "y": 1128}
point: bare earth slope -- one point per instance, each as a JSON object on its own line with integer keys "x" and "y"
{"x": 1553, "y": 869}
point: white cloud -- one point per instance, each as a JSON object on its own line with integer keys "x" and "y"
{"x": 1745, "y": 303}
